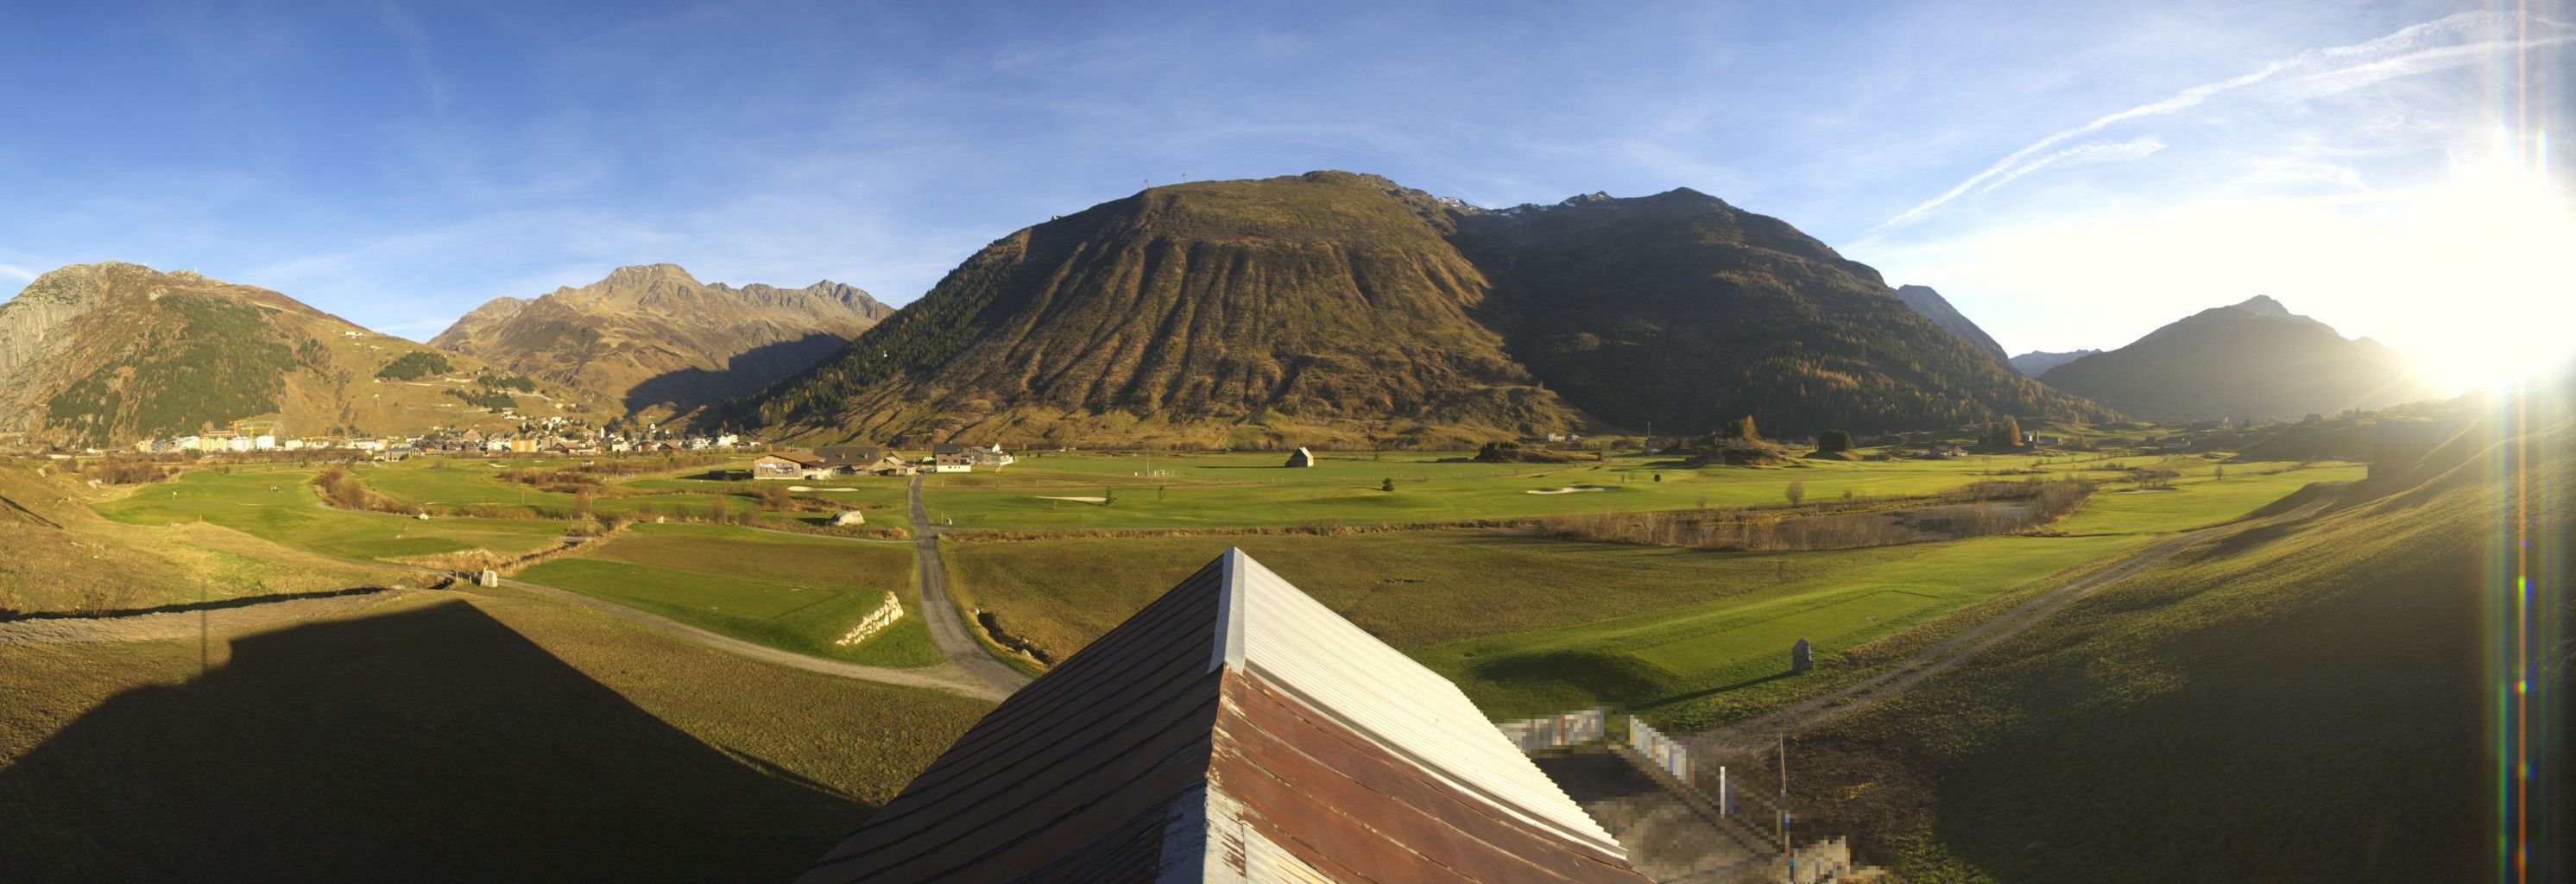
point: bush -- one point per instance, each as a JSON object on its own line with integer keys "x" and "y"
{"x": 414, "y": 365}
{"x": 1831, "y": 441}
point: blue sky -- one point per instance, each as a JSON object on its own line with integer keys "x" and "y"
{"x": 2069, "y": 176}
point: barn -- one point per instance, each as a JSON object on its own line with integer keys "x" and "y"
{"x": 1234, "y": 730}
{"x": 1303, "y": 458}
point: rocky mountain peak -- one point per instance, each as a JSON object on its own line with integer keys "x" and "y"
{"x": 2263, "y": 305}
{"x": 648, "y": 274}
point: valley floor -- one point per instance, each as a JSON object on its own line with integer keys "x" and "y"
{"x": 706, "y": 641}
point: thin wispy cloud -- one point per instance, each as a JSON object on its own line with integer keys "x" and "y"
{"x": 2082, "y": 154}
{"x": 2415, "y": 49}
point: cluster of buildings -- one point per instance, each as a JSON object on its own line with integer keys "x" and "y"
{"x": 827, "y": 461}
{"x": 553, "y": 435}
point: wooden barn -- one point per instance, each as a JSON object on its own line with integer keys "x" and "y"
{"x": 1303, "y": 458}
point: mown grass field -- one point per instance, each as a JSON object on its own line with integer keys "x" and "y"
{"x": 320, "y": 751}
{"x": 795, "y": 593}
{"x": 1529, "y": 626}
{"x": 1409, "y": 588}
{"x": 1205, "y": 490}
{"x": 292, "y": 514}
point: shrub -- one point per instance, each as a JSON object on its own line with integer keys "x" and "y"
{"x": 415, "y": 365}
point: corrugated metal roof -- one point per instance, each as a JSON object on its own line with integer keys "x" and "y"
{"x": 1098, "y": 746}
{"x": 1233, "y": 730}
{"x": 1317, "y": 656}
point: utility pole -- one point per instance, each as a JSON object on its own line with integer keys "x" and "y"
{"x": 1784, "y": 808}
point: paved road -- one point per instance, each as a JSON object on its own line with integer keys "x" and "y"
{"x": 1757, "y": 734}
{"x": 939, "y": 611}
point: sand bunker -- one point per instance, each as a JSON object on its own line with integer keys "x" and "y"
{"x": 811, "y": 488}
{"x": 1076, "y": 499}
{"x": 1567, "y": 490}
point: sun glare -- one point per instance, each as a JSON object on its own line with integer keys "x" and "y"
{"x": 2511, "y": 240}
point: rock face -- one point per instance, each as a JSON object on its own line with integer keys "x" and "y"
{"x": 2036, "y": 362}
{"x": 1936, "y": 308}
{"x": 1342, "y": 308}
{"x": 661, "y": 342}
{"x": 2254, "y": 359}
{"x": 103, "y": 354}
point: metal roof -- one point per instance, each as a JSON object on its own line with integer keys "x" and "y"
{"x": 1233, "y": 730}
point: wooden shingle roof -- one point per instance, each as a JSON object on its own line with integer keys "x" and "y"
{"x": 1233, "y": 730}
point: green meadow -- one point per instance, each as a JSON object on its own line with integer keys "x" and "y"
{"x": 795, "y": 593}
{"x": 1244, "y": 490}
{"x": 1525, "y": 624}
{"x": 278, "y": 503}
{"x": 1528, "y": 625}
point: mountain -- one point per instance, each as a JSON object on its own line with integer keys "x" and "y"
{"x": 1933, "y": 307}
{"x": 1341, "y": 308}
{"x": 104, "y": 354}
{"x": 2254, "y": 359}
{"x": 660, "y": 341}
{"x": 2038, "y": 362}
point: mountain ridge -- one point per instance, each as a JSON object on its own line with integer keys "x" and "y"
{"x": 107, "y": 353}
{"x": 1335, "y": 307}
{"x": 1929, "y": 302}
{"x": 2251, "y": 359}
{"x": 662, "y": 342}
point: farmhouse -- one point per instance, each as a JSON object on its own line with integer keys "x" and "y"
{"x": 790, "y": 465}
{"x": 855, "y": 458}
{"x": 1234, "y": 730}
{"x": 988, "y": 457}
{"x": 1303, "y": 458}
{"x": 950, "y": 457}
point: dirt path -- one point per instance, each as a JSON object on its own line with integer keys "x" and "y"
{"x": 944, "y": 677}
{"x": 1754, "y": 735}
{"x": 939, "y": 610}
{"x": 182, "y": 624}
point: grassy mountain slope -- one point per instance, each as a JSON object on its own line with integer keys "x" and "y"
{"x": 2254, "y": 359}
{"x": 1315, "y": 308}
{"x": 1683, "y": 311}
{"x": 2307, "y": 702}
{"x": 661, "y": 342}
{"x": 103, "y": 354}
{"x": 1341, "y": 308}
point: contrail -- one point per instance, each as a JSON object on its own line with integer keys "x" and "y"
{"x": 2407, "y": 43}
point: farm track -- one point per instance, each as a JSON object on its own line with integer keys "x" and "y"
{"x": 947, "y": 677}
{"x": 1757, "y": 734}
{"x": 939, "y": 609}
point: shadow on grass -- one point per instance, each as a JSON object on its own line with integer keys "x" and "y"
{"x": 1596, "y": 675}
{"x": 1711, "y": 692}
{"x": 432, "y": 744}
{"x": 182, "y": 607}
